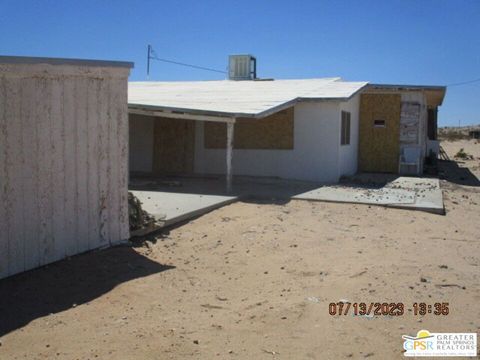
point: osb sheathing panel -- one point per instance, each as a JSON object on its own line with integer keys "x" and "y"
{"x": 273, "y": 132}
{"x": 379, "y": 146}
{"x": 173, "y": 146}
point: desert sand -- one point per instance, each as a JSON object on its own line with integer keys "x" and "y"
{"x": 253, "y": 280}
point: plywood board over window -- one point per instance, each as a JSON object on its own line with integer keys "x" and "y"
{"x": 272, "y": 132}
{"x": 379, "y": 146}
{"x": 173, "y": 149}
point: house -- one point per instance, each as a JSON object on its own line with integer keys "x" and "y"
{"x": 396, "y": 120}
{"x": 474, "y": 134}
{"x": 63, "y": 159}
{"x": 310, "y": 129}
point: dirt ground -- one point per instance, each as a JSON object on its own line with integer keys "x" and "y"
{"x": 254, "y": 280}
{"x": 470, "y": 147}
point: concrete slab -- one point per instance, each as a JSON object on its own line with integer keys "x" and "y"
{"x": 404, "y": 192}
{"x": 338, "y": 193}
{"x": 173, "y": 200}
{"x": 428, "y": 194}
{"x": 169, "y": 208}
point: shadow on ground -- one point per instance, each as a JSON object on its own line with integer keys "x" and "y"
{"x": 67, "y": 283}
{"x": 250, "y": 187}
{"x": 450, "y": 171}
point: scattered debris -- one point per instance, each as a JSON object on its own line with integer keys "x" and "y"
{"x": 450, "y": 285}
{"x": 270, "y": 352}
{"x": 358, "y": 274}
{"x": 209, "y": 306}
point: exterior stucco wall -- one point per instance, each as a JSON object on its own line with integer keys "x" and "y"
{"x": 420, "y": 98}
{"x": 348, "y": 154}
{"x": 63, "y": 162}
{"x": 314, "y": 156}
{"x": 141, "y": 143}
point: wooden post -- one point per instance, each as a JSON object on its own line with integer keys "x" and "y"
{"x": 230, "y": 127}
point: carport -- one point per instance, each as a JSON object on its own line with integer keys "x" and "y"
{"x": 183, "y": 115}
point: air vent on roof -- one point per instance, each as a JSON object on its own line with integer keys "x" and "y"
{"x": 242, "y": 67}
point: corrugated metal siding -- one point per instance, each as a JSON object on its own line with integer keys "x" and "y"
{"x": 63, "y": 162}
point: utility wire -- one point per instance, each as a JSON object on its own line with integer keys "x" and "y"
{"x": 464, "y": 82}
{"x": 155, "y": 57}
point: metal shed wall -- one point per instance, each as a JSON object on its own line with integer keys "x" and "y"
{"x": 63, "y": 161}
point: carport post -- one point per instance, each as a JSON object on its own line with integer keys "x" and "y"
{"x": 230, "y": 127}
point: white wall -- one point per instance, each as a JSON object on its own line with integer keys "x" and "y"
{"x": 314, "y": 157}
{"x": 141, "y": 143}
{"x": 348, "y": 154}
{"x": 419, "y": 97}
{"x": 63, "y": 162}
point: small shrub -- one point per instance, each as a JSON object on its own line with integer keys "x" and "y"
{"x": 461, "y": 154}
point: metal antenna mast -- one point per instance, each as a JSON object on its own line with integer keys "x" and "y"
{"x": 149, "y": 49}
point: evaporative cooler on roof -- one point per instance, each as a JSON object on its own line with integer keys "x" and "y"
{"x": 242, "y": 67}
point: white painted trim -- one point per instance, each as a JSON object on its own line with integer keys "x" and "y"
{"x": 230, "y": 129}
{"x": 186, "y": 116}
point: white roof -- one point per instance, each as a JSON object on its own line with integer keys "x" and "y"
{"x": 252, "y": 98}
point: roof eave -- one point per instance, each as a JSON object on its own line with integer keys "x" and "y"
{"x": 64, "y": 61}
{"x": 438, "y": 90}
{"x": 158, "y": 108}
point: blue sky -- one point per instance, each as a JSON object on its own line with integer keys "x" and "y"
{"x": 394, "y": 41}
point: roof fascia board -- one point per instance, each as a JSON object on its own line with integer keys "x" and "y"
{"x": 181, "y": 115}
{"x": 134, "y": 106}
{"x": 306, "y": 99}
{"x": 63, "y": 61}
{"x": 426, "y": 89}
{"x": 408, "y": 87}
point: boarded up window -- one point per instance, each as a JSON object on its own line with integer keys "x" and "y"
{"x": 345, "y": 131}
{"x": 273, "y": 132}
{"x": 173, "y": 149}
